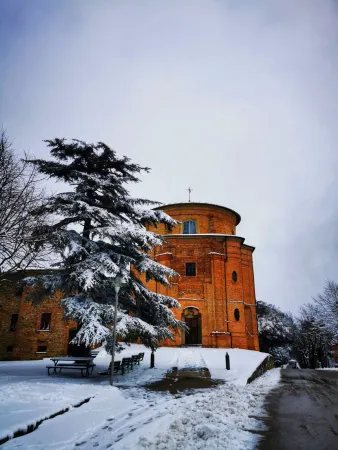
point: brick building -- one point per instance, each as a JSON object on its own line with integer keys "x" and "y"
{"x": 28, "y": 331}
{"x": 216, "y": 290}
{"x": 216, "y": 287}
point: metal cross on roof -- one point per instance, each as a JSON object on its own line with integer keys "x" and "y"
{"x": 189, "y": 190}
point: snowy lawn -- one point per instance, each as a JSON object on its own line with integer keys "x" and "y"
{"x": 27, "y": 394}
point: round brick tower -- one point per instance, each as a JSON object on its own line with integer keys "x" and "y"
{"x": 216, "y": 287}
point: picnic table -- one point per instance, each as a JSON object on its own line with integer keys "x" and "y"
{"x": 81, "y": 363}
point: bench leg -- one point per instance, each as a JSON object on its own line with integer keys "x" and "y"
{"x": 85, "y": 372}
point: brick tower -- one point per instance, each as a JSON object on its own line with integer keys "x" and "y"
{"x": 216, "y": 287}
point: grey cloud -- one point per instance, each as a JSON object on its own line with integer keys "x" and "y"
{"x": 237, "y": 99}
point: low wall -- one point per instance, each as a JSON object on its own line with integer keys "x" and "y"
{"x": 265, "y": 365}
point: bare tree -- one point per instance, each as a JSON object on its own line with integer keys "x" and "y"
{"x": 20, "y": 194}
{"x": 312, "y": 341}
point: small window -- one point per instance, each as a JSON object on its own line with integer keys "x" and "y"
{"x": 234, "y": 276}
{"x": 236, "y": 314}
{"x": 42, "y": 349}
{"x": 189, "y": 227}
{"x": 45, "y": 321}
{"x": 9, "y": 348}
{"x": 190, "y": 269}
{"x": 14, "y": 322}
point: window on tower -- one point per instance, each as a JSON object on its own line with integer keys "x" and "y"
{"x": 189, "y": 227}
{"x": 190, "y": 269}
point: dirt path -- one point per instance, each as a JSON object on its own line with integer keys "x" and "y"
{"x": 303, "y": 412}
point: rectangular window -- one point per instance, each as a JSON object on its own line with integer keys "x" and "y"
{"x": 189, "y": 227}
{"x": 45, "y": 321}
{"x": 190, "y": 269}
{"x": 14, "y": 322}
{"x": 9, "y": 348}
{"x": 42, "y": 349}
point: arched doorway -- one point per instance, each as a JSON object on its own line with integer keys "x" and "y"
{"x": 192, "y": 318}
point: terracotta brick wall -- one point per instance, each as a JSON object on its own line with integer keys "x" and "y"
{"x": 9, "y": 304}
{"x": 27, "y": 338}
{"x": 208, "y": 219}
{"x": 213, "y": 290}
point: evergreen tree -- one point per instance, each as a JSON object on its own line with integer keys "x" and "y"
{"x": 99, "y": 232}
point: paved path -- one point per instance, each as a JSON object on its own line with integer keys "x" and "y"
{"x": 303, "y": 412}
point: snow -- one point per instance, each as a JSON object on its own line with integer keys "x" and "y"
{"x": 215, "y": 419}
{"x": 27, "y": 394}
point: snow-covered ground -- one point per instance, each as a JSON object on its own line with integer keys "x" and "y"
{"x": 129, "y": 416}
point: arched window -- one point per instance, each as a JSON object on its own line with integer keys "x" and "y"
{"x": 189, "y": 227}
{"x": 236, "y": 314}
{"x": 234, "y": 276}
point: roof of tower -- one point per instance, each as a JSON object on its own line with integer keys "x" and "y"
{"x": 187, "y": 204}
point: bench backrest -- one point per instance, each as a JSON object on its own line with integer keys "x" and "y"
{"x": 126, "y": 361}
{"x": 135, "y": 357}
{"x": 141, "y": 356}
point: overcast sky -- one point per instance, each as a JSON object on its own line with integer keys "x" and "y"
{"x": 237, "y": 99}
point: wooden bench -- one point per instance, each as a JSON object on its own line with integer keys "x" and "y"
{"x": 137, "y": 358}
{"x": 117, "y": 365}
{"x": 126, "y": 363}
{"x": 85, "y": 369}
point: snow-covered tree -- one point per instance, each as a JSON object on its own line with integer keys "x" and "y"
{"x": 326, "y": 310}
{"x": 275, "y": 331}
{"x": 99, "y": 232}
{"x": 312, "y": 342}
